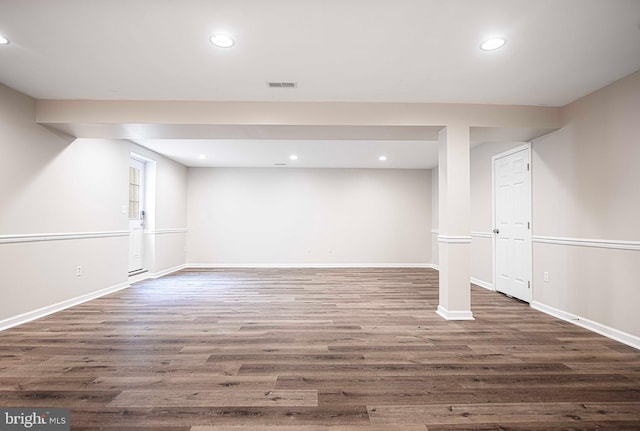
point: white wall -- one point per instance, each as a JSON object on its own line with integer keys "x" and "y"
{"x": 586, "y": 180}
{"x": 55, "y": 184}
{"x": 295, "y": 216}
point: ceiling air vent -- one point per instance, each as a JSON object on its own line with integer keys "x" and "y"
{"x": 282, "y": 84}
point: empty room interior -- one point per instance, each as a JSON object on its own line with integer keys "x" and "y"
{"x": 320, "y": 215}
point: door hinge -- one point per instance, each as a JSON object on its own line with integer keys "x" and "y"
{"x": 528, "y": 166}
{"x": 529, "y": 284}
{"x": 528, "y": 225}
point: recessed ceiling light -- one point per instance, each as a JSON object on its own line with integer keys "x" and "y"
{"x": 493, "y": 44}
{"x": 202, "y": 157}
{"x": 382, "y": 158}
{"x": 293, "y": 157}
{"x": 222, "y": 40}
{"x": 3, "y": 40}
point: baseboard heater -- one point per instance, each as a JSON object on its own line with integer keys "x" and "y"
{"x": 137, "y": 272}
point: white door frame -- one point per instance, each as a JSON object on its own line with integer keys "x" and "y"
{"x": 529, "y": 269}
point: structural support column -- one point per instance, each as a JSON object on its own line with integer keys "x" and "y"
{"x": 454, "y": 223}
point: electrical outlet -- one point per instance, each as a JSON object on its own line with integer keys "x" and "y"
{"x": 546, "y": 277}
{"x": 78, "y": 271}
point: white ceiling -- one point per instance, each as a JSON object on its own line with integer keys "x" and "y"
{"x": 336, "y": 50}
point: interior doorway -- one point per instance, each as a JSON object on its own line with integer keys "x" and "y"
{"x": 512, "y": 222}
{"x": 136, "y": 215}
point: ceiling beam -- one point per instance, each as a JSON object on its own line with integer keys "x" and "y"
{"x": 293, "y": 113}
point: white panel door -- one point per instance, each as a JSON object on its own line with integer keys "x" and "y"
{"x": 512, "y": 223}
{"x": 136, "y": 214}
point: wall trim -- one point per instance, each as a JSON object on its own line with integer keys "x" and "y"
{"x": 481, "y": 234}
{"x": 40, "y": 237}
{"x": 454, "y": 315}
{"x": 54, "y": 308}
{"x": 482, "y": 283}
{"x": 153, "y": 275}
{"x": 309, "y": 265}
{"x": 168, "y": 271}
{"x": 614, "y": 334}
{"x": 584, "y": 242}
{"x": 455, "y": 239}
{"x": 164, "y": 231}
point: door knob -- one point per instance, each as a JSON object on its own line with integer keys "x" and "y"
{"x": 496, "y": 231}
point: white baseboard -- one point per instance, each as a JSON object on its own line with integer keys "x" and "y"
{"x": 308, "y": 265}
{"x": 141, "y": 276}
{"x": 614, "y": 334}
{"x": 454, "y": 315}
{"x": 153, "y": 275}
{"x": 168, "y": 271}
{"x": 50, "y": 309}
{"x": 482, "y": 283}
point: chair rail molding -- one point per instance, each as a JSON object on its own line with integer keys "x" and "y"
{"x": 455, "y": 239}
{"x": 478, "y": 234}
{"x": 585, "y": 242}
{"x": 165, "y": 231}
{"x": 39, "y": 237}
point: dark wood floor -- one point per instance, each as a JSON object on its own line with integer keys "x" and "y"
{"x": 315, "y": 350}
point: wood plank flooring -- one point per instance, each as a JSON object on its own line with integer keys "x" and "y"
{"x": 315, "y": 350}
